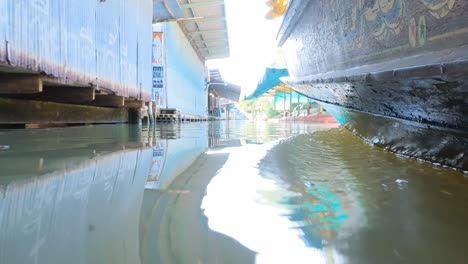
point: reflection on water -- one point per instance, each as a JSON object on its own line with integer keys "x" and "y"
{"x": 222, "y": 193}
{"x": 72, "y": 195}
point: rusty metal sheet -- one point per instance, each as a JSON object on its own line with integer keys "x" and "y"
{"x": 85, "y": 42}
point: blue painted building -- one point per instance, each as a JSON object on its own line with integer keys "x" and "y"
{"x": 185, "y": 73}
{"x": 191, "y": 34}
{"x": 105, "y": 44}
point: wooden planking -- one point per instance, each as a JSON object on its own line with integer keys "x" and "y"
{"x": 60, "y": 94}
{"x": 20, "y": 83}
{"x": 108, "y": 100}
{"x": 13, "y": 111}
{"x": 134, "y": 104}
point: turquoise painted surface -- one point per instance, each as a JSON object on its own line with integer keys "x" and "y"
{"x": 270, "y": 79}
{"x": 339, "y": 113}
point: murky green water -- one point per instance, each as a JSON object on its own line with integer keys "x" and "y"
{"x": 223, "y": 193}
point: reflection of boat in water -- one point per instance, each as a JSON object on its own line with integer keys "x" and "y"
{"x": 323, "y": 201}
{"x": 393, "y": 72}
{"x": 72, "y": 195}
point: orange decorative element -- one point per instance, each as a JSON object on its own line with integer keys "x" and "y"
{"x": 277, "y": 8}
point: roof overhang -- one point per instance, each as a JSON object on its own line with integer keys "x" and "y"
{"x": 270, "y": 80}
{"x": 223, "y": 89}
{"x": 203, "y": 22}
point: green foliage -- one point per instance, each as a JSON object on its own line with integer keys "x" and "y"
{"x": 262, "y": 105}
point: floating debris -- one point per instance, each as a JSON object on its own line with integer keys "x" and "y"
{"x": 4, "y": 147}
{"x": 446, "y": 192}
{"x": 400, "y": 181}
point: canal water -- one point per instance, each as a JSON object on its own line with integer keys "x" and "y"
{"x": 221, "y": 192}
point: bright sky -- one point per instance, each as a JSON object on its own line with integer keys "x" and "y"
{"x": 252, "y": 43}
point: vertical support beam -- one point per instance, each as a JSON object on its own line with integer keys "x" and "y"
{"x": 284, "y": 104}
{"x": 298, "y": 103}
{"x": 290, "y": 103}
{"x": 155, "y": 111}
{"x": 150, "y": 113}
{"x": 135, "y": 116}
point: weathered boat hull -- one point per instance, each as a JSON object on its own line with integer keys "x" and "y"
{"x": 394, "y": 72}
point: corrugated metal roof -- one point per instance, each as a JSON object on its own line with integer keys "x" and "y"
{"x": 203, "y": 22}
{"x": 223, "y": 89}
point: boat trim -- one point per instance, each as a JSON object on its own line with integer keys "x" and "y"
{"x": 291, "y": 17}
{"x": 445, "y": 71}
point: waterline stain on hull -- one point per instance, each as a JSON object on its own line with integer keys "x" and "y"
{"x": 442, "y": 146}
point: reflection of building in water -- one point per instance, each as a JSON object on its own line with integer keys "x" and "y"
{"x": 72, "y": 195}
{"x": 168, "y": 131}
{"x": 172, "y": 153}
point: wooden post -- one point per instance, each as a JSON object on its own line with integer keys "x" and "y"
{"x": 290, "y": 103}
{"x": 150, "y": 113}
{"x": 155, "y": 111}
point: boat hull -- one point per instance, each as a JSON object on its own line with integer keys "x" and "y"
{"x": 441, "y": 146}
{"x": 394, "y": 72}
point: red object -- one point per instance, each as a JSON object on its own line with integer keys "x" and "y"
{"x": 319, "y": 118}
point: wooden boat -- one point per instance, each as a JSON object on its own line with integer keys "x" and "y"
{"x": 394, "y": 72}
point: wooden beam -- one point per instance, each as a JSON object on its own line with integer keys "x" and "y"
{"x": 211, "y": 41}
{"x": 13, "y": 111}
{"x": 14, "y": 83}
{"x": 211, "y": 48}
{"x": 134, "y": 104}
{"x": 202, "y": 4}
{"x": 60, "y": 94}
{"x": 211, "y": 31}
{"x": 108, "y": 100}
{"x": 203, "y": 19}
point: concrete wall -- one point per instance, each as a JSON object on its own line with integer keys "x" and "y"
{"x": 185, "y": 71}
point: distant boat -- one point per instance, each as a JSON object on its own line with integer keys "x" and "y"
{"x": 394, "y": 72}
